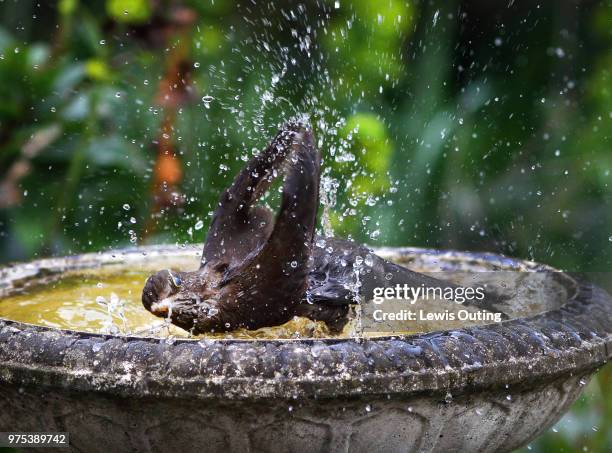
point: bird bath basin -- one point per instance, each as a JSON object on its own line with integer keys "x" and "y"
{"x": 483, "y": 387}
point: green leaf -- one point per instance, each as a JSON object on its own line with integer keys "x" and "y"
{"x": 129, "y": 11}
{"x": 115, "y": 152}
{"x": 68, "y": 78}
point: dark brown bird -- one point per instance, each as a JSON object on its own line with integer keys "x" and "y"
{"x": 256, "y": 272}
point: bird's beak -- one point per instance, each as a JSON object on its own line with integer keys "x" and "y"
{"x": 162, "y": 308}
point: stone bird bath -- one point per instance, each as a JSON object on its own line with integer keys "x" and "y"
{"x": 488, "y": 388}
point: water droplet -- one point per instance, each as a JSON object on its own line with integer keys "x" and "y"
{"x": 126, "y": 207}
{"x": 101, "y": 301}
{"x": 205, "y": 343}
{"x": 294, "y": 264}
{"x": 199, "y": 225}
{"x": 133, "y": 237}
{"x": 102, "y": 42}
{"x": 196, "y": 65}
{"x": 368, "y": 408}
{"x": 448, "y": 398}
{"x": 132, "y": 220}
{"x": 207, "y": 100}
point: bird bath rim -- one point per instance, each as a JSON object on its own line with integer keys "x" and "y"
{"x": 574, "y": 339}
{"x": 53, "y": 266}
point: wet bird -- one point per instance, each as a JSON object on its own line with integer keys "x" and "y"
{"x": 257, "y": 271}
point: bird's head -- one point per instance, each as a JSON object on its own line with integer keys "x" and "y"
{"x": 188, "y": 299}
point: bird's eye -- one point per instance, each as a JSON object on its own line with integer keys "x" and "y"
{"x": 175, "y": 279}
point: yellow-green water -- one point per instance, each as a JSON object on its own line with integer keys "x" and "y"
{"x": 74, "y": 302}
{"x": 107, "y": 299}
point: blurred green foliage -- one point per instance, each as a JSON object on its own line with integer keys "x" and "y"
{"x": 451, "y": 124}
{"x": 129, "y": 11}
{"x": 460, "y": 124}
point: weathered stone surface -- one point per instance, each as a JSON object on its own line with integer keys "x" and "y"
{"x": 487, "y": 388}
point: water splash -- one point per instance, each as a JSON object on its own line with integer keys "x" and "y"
{"x": 115, "y": 307}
